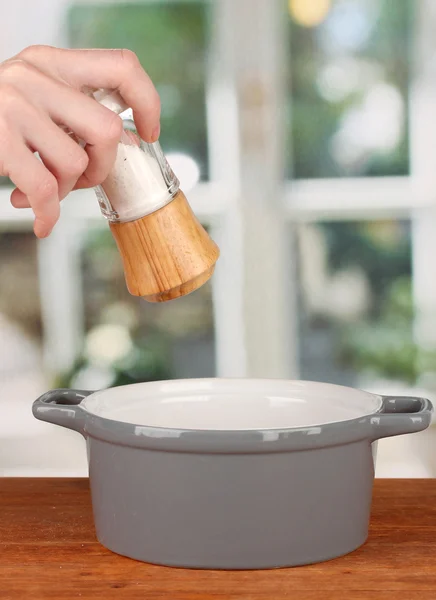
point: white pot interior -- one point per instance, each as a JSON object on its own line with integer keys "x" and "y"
{"x": 225, "y": 404}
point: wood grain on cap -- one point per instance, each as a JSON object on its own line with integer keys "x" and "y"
{"x": 166, "y": 254}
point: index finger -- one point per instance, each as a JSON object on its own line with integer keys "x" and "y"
{"x": 111, "y": 69}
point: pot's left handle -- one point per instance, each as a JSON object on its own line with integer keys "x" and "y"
{"x": 400, "y": 415}
{"x": 62, "y": 407}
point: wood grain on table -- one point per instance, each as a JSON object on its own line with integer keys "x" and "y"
{"x": 48, "y": 550}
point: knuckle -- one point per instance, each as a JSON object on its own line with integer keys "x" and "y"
{"x": 14, "y": 68}
{"x": 5, "y": 134}
{"x": 81, "y": 163}
{"x": 7, "y": 145}
{"x": 97, "y": 171}
{"x": 19, "y": 71}
{"x": 34, "y": 51}
{"x": 110, "y": 129}
{"x": 46, "y": 187}
{"x": 114, "y": 128}
{"x": 76, "y": 165}
{"x": 94, "y": 178}
{"x": 11, "y": 100}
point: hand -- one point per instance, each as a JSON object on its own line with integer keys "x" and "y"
{"x": 40, "y": 91}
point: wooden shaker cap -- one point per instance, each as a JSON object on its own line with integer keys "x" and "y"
{"x": 166, "y": 254}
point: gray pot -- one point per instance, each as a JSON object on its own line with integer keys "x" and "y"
{"x": 232, "y": 474}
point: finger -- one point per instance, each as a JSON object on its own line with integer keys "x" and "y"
{"x": 67, "y": 162}
{"x": 100, "y": 163}
{"x": 111, "y": 69}
{"x": 62, "y": 156}
{"x": 87, "y": 179}
{"x": 19, "y": 200}
{"x": 34, "y": 180}
{"x": 96, "y": 125}
{"x": 65, "y": 159}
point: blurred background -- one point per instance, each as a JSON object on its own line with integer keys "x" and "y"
{"x": 304, "y": 135}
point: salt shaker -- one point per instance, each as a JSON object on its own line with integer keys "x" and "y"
{"x": 166, "y": 252}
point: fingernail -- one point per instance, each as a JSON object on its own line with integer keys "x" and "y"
{"x": 155, "y": 133}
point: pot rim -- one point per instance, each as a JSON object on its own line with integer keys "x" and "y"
{"x": 348, "y": 403}
{"x": 394, "y": 416}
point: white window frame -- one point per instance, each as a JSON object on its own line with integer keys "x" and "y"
{"x": 250, "y": 209}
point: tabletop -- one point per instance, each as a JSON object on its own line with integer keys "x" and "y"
{"x": 48, "y": 550}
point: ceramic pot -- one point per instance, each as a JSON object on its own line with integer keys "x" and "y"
{"x": 232, "y": 474}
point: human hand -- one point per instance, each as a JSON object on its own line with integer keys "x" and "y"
{"x": 40, "y": 92}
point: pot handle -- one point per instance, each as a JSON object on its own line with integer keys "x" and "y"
{"x": 62, "y": 407}
{"x": 400, "y": 415}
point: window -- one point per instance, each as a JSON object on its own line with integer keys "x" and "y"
{"x": 305, "y": 143}
{"x": 350, "y": 87}
{"x": 356, "y": 305}
{"x": 128, "y": 340}
{"x": 170, "y": 40}
{"x": 353, "y": 117}
{"x": 170, "y": 340}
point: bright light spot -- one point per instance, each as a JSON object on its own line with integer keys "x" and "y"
{"x": 309, "y": 13}
{"x": 349, "y": 25}
{"x": 120, "y": 313}
{"x": 93, "y": 378}
{"x": 346, "y": 75}
{"x": 374, "y": 126}
{"x": 185, "y": 168}
{"x": 106, "y": 344}
{"x": 127, "y": 114}
{"x": 348, "y": 295}
{"x": 384, "y": 110}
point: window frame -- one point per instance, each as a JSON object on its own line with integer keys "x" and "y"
{"x": 254, "y": 295}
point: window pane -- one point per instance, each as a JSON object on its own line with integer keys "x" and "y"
{"x": 129, "y": 340}
{"x": 170, "y": 39}
{"x": 349, "y": 78}
{"x": 174, "y": 339}
{"x": 356, "y": 311}
{"x": 21, "y": 375}
{"x": 19, "y": 292}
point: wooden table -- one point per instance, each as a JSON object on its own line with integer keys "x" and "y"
{"x": 48, "y": 551}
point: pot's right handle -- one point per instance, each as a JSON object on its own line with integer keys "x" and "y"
{"x": 62, "y": 407}
{"x": 400, "y": 415}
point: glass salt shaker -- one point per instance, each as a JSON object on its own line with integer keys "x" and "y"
{"x": 166, "y": 252}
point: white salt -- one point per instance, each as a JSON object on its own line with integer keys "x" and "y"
{"x": 135, "y": 186}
